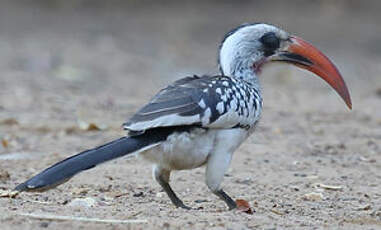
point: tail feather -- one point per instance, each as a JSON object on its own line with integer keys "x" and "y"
{"x": 65, "y": 169}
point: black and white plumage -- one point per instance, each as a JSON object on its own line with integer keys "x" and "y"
{"x": 198, "y": 121}
{"x": 208, "y": 101}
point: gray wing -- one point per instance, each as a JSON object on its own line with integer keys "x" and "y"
{"x": 200, "y": 101}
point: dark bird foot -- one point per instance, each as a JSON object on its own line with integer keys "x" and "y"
{"x": 182, "y": 205}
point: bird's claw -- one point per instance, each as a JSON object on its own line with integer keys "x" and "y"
{"x": 183, "y": 206}
{"x": 179, "y": 204}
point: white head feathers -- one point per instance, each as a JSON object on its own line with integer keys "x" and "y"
{"x": 241, "y": 48}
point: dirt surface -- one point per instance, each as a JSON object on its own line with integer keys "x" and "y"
{"x": 312, "y": 164}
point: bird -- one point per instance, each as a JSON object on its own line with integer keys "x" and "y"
{"x": 202, "y": 120}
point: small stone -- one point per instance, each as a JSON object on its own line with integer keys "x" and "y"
{"x": 245, "y": 181}
{"x": 160, "y": 194}
{"x": 80, "y": 191}
{"x": 9, "y": 121}
{"x": 313, "y": 196}
{"x": 300, "y": 175}
{"x": 44, "y": 224}
{"x": 4, "y": 175}
{"x": 139, "y": 194}
{"x": 83, "y": 125}
{"x": 4, "y": 143}
{"x": 201, "y": 201}
{"x": 84, "y": 202}
{"x": 364, "y": 208}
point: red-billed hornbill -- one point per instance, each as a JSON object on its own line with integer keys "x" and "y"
{"x": 200, "y": 121}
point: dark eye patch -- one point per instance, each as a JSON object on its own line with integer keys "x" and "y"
{"x": 270, "y": 43}
{"x": 270, "y": 40}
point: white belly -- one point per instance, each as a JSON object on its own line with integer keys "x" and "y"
{"x": 188, "y": 150}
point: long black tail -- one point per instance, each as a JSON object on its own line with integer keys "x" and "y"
{"x": 64, "y": 170}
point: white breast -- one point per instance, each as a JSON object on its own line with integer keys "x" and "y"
{"x": 188, "y": 150}
{"x": 185, "y": 150}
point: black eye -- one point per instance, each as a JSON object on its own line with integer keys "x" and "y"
{"x": 270, "y": 43}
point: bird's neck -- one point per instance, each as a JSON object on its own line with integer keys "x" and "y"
{"x": 244, "y": 72}
{"x": 239, "y": 64}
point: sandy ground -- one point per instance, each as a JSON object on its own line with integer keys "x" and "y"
{"x": 65, "y": 64}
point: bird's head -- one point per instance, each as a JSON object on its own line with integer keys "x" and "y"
{"x": 247, "y": 48}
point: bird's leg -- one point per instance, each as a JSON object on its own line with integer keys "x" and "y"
{"x": 162, "y": 177}
{"x": 225, "y": 197}
{"x": 216, "y": 167}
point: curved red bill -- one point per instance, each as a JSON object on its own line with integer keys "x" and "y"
{"x": 319, "y": 64}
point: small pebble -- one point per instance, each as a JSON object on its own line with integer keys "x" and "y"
{"x": 139, "y": 194}
{"x": 44, "y": 224}
{"x": 313, "y": 196}
{"x": 84, "y": 202}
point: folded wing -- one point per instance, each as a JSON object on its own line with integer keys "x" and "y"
{"x": 207, "y": 101}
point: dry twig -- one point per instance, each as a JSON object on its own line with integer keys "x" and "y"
{"x": 43, "y": 216}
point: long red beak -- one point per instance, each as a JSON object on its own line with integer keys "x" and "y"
{"x": 306, "y": 56}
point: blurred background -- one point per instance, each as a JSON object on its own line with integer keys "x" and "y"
{"x": 63, "y": 54}
{"x": 69, "y": 68}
